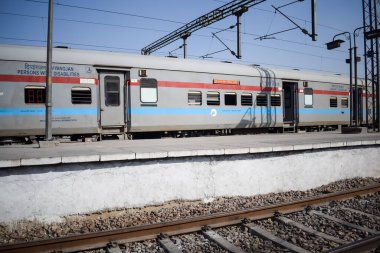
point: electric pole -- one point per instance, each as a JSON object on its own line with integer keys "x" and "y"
{"x": 48, "y": 102}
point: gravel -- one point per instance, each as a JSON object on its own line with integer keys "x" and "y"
{"x": 296, "y": 236}
{"x": 142, "y": 247}
{"x": 241, "y": 237}
{"x": 195, "y": 243}
{"x": 352, "y": 217}
{"x": 369, "y": 204}
{"x": 327, "y": 226}
{"x": 33, "y": 230}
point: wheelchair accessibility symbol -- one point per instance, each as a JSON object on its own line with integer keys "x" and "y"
{"x": 213, "y": 112}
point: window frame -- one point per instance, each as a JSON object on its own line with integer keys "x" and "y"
{"x": 344, "y": 105}
{"x": 85, "y": 102}
{"x": 35, "y": 88}
{"x": 195, "y": 103}
{"x": 278, "y": 104}
{"x": 230, "y": 94}
{"x": 208, "y": 98}
{"x": 333, "y": 101}
{"x": 246, "y": 94}
{"x": 262, "y": 95}
{"x": 306, "y": 93}
{"x": 152, "y": 83}
{"x": 106, "y": 92}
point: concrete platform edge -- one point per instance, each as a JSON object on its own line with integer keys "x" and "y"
{"x": 40, "y": 161}
{"x": 178, "y": 153}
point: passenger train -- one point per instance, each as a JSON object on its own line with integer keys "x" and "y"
{"x": 99, "y": 93}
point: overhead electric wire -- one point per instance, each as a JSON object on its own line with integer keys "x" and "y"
{"x": 282, "y": 6}
{"x": 224, "y": 44}
{"x": 166, "y": 20}
{"x": 158, "y": 30}
{"x": 70, "y": 43}
{"x": 161, "y": 19}
{"x": 267, "y": 36}
{"x": 300, "y": 19}
{"x": 107, "y": 11}
{"x": 133, "y": 27}
{"x": 94, "y": 23}
{"x": 207, "y": 55}
{"x": 303, "y": 30}
{"x": 287, "y": 50}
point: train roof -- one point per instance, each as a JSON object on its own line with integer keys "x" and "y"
{"x": 127, "y": 60}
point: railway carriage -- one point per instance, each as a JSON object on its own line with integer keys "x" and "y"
{"x": 105, "y": 93}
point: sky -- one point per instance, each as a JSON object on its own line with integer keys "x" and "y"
{"x": 130, "y": 25}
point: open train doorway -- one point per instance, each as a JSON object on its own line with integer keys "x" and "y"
{"x": 290, "y": 102}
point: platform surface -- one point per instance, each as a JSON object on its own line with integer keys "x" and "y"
{"x": 116, "y": 150}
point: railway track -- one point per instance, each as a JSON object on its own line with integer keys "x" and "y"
{"x": 281, "y": 228}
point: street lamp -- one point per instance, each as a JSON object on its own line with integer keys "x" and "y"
{"x": 335, "y": 44}
{"x": 356, "y": 60}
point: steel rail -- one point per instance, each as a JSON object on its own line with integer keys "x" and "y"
{"x": 364, "y": 245}
{"x": 145, "y": 232}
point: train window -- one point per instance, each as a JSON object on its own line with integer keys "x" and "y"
{"x": 35, "y": 95}
{"x": 262, "y": 99}
{"x": 230, "y": 98}
{"x": 344, "y": 102}
{"x": 246, "y": 99}
{"x": 194, "y": 98}
{"x": 112, "y": 90}
{"x": 213, "y": 98}
{"x": 148, "y": 90}
{"x": 333, "y": 102}
{"x": 81, "y": 95}
{"x": 308, "y": 96}
{"x": 275, "y": 100}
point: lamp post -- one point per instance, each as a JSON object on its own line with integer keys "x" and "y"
{"x": 335, "y": 44}
{"x": 356, "y": 60}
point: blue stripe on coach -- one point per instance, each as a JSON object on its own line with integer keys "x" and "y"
{"x": 168, "y": 111}
{"x": 41, "y": 111}
{"x": 324, "y": 111}
{"x": 224, "y": 111}
{"x": 203, "y": 111}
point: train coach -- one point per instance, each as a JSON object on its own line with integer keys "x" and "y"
{"x": 99, "y": 93}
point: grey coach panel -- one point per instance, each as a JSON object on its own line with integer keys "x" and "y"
{"x": 102, "y": 58}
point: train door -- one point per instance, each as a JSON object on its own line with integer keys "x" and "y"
{"x": 290, "y": 102}
{"x": 111, "y": 99}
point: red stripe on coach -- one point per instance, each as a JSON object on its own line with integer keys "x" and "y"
{"x": 214, "y": 86}
{"x": 331, "y": 92}
{"x": 190, "y": 85}
{"x": 42, "y": 79}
